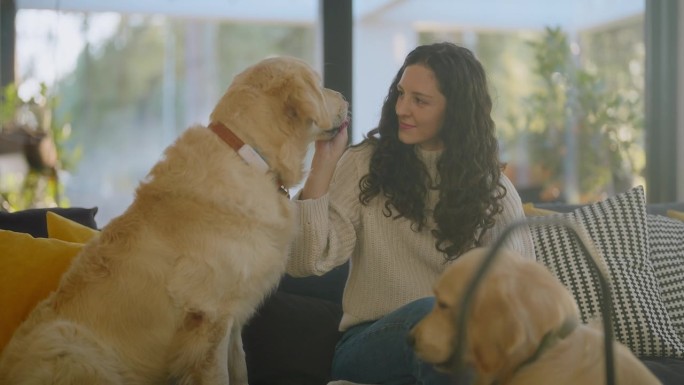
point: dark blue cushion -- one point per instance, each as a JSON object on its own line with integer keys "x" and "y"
{"x": 32, "y": 221}
{"x": 328, "y": 286}
{"x": 291, "y": 340}
{"x": 670, "y": 371}
{"x": 661, "y": 208}
{"x": 651, "y": 208}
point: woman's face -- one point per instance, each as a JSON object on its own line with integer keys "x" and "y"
{"x": 420, "y": 108}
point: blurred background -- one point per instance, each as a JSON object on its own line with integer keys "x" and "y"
{"x": 587, "y": 93}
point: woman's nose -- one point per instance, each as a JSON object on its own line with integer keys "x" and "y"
{"x": 400, "y": 107}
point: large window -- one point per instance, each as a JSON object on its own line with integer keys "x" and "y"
{"x": 567, "y": 78}
{"x": 569, "y": 109}
{"x": 126, "y": 85}
{"x": 568, "y": 91}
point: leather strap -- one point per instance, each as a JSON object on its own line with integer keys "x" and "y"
{"x": 246, "y": 152}
{"x": 227, "y": 135}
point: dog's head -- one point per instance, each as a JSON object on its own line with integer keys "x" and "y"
{"x": 516, "y": 304}
{"x": 279, "y": 107}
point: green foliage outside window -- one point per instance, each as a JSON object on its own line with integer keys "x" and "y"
{"x": 42, "y": 140}
{"x": 569, "y": 112}
{"x": 584, "y": 135}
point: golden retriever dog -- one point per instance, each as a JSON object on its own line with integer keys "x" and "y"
{"x": 523, "y": 328}
{"x": 161, "y": 295}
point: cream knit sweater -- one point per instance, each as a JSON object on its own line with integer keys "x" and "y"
{"x": 391, "y": 265}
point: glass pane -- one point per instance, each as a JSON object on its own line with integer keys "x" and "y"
{"x": 128, "y": 84}
{"x": 568, "y": 91}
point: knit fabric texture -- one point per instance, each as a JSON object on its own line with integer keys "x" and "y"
{"x": 391, "y": 264}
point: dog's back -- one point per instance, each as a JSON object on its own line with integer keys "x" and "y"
{"x": 579, "y": 359}
{"x": 523, "y": 329}
{"x": 204, "y": 232}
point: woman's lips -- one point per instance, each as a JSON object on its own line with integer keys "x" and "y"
{"x": 405, "y": 126}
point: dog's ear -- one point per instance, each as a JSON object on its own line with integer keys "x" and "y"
{"x": 516, "y": 309}
{"x": 498, "y": 327}
{"x": 306, "y": 100}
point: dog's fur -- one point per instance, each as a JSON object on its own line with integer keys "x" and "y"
{"x": 161, "y": 295}
{"x": 516, "y": 304}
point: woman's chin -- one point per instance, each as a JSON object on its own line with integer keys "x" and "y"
{"x": 406, "y": 137}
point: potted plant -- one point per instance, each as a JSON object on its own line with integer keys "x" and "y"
{"x": 28, "y": 127}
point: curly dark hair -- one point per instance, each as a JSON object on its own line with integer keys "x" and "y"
{"x": 469, "y": 168}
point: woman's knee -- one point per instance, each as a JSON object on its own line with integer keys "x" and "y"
{"x": 416, "y": 310}
{"x": 424, "y": 304}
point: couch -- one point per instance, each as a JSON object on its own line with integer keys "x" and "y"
{"x": 291, "y": 338}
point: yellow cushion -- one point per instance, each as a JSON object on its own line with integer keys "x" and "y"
{"x": 30, "y": 268}
{"x": 532, "y": 211}
{"x": 676, "y": 214}
{"x": 65, "y": 229}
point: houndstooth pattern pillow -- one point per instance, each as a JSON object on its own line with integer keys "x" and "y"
{"x": 666, "y": 237}
{"x": 617, "y": 228}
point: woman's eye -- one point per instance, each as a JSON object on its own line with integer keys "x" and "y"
{"x": 442, "y": 305}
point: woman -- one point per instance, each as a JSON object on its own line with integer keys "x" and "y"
{"x": 425, "y": 186}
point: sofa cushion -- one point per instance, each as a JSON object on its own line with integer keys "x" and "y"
{"x": 329, "y": 286}
{"x": 32, "y": 221}
{"x": 31, "y": 267}
{"x": 291, "y": 340}
{"x": 669, "y": 371}
{"x": 531, "y": 210}
{"x": 666, "y": 236}
{"x": 661, "y": 208}
{"x": 59, "y": 227}
{"x": 678, "y": 215}
{"x": 617, "y": 228}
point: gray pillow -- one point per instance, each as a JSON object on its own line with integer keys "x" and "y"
{"x": 666, "y": 236}
{"x": 617, "y": 227}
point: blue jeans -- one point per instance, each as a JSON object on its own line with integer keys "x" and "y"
{"x": 377, "y": 352}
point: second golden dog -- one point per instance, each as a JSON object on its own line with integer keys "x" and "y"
{"x": 523, "y": 329}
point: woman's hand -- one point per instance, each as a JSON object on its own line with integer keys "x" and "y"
{"x": 325, "y": 158}
{"x": 332, "y": 150}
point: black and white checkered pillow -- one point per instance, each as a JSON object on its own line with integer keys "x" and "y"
{"x": 666, "y": 238}
{"x": 617, "y": 228}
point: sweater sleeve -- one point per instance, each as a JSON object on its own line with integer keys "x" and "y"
{"x": 327, "y": 225}
{"x": 520, "y": 239}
